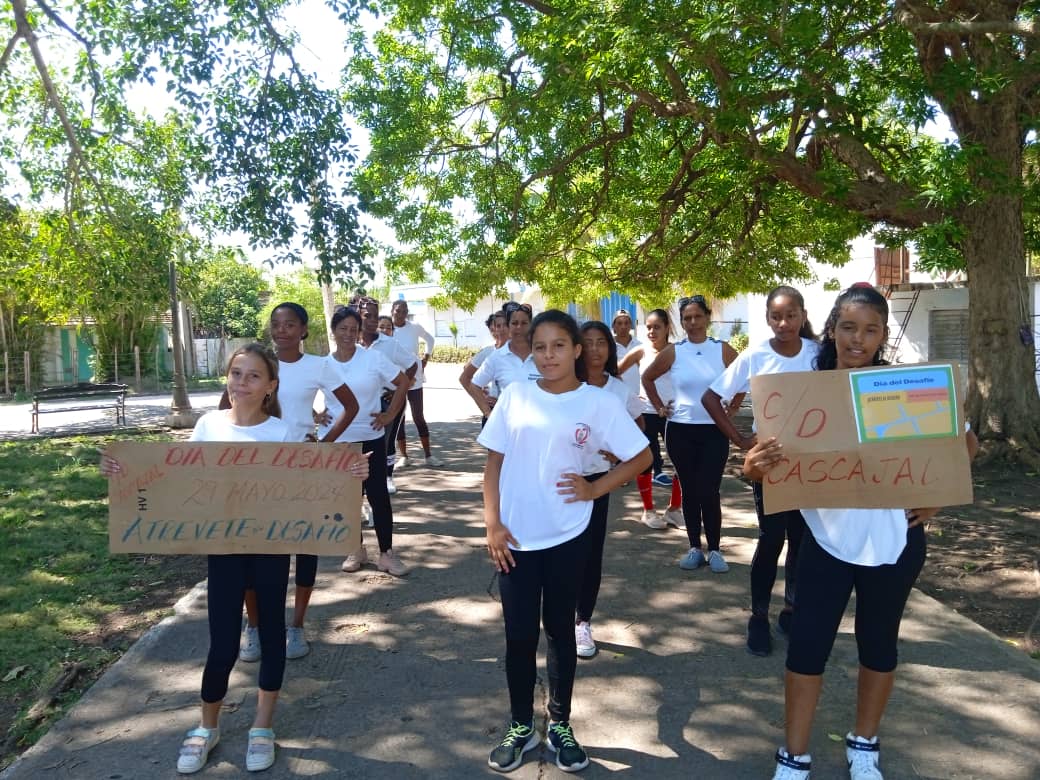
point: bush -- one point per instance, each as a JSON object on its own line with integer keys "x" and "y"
{"x": 452, "y": 354}
{"x": 739, "y": 341}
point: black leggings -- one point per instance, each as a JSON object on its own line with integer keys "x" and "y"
{"x": 415, "y": 403}
{"x": 771, "y": 532}
{"x": 597, "y": 537}
{"x": 378, "y": 497}
{"x": 389, "y": 436}
{"x": 225, "y": 593}
{"x": 653, "y": 427}
{"x": 699, "y": 453}
{"x": 306, "y": 570}
{"x": 547, "y": 581}
{"x": 824, "y": 586}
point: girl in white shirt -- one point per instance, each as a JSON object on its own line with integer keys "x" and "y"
{"x": 366, "y": 372}
{"x": 252, "y": 387}
{"x": 496, "y": 325}
{"x": 877, "y": 552}
{"x": 509, "y": 363}
{"x": 639, "y": 358}
{"x": 599, "y": 355}
{"x": 695, "y": 444}
{"x": 792, "y": 348}
{"x": 537, "y": 507}
{"x": 409, "y": 334}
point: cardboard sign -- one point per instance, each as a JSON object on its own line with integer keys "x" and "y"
{"x": 243, "y": 497}
{"x": 886, "y": 436}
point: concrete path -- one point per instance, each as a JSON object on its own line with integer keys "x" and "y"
{"x": 406, "y": 676}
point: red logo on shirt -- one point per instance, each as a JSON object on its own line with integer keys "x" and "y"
{"x": 581, "y": 434}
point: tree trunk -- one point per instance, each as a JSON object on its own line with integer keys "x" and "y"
{"x": 1003, "y": 404}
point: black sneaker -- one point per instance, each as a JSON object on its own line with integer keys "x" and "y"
{"x": 570, "y": 756}
{"x": 509, "y": 754}
{"x": 759, "y": 642}
{"x": 783, "y": 622}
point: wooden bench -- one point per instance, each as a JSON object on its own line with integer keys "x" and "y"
{"x": 85, "y": 395}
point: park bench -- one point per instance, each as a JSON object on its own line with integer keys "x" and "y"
{"x": 85, "y": 395}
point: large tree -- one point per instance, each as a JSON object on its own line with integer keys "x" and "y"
{"x": 713, "y": 145}
{"x": 229, "y": 296}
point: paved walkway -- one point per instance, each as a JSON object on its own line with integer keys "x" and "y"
{"x": 406, "y": 676}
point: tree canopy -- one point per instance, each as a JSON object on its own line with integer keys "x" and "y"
{"x": 712, "y": 146}
{"x": 229, "y": 296}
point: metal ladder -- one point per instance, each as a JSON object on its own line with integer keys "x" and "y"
{"x": 902, "y": 316}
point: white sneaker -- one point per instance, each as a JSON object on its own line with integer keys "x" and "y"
{"x": 366, "y": 517}
{"x": 296, "y": 644}
{"x": 391, "y": 564}
{"x": 653, "y": 520}
{"x": 391, "y": 488}
{"x": 355, "y": 560}
{"x": 432, "y": 461}
{"x": 250, "y": 651}
{"x": 583, "y": 639}
{"x": 863, "y": 756}
{"x": 403, "y": 462}
{"x": 674, "y": 517}
{"x": 790, "y": 767}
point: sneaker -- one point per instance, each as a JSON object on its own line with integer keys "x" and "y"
{"x": 570, "y": 756}
{"x": 653, "y": 520}
{"x": 717, "y": 562}
{"x": 790, "y": 767}
{"x": 432, "y": 461}
{"x": 583, "y": 639}
{"x": 195, "y": 749}
{"x": 404, "y": 462}
{"x": 863, "y": 756}
{"x": 355, "y": 560}
{"x": 296, "y": 644}
{"x": 759, "y": 642}
{"x": 662, "y": 479}
{"x": 391, "y": 488}
{"x": 509, "y": 754}
{"x": 694, "y": 559}
{"x": 250, "y": 651}
{"x": 366, "y": 517}
{"x": 260, "y": 750}
{"x": 783, "y": 622}
{"x": 674, "y": 517}
{"x": 391, "y": 564}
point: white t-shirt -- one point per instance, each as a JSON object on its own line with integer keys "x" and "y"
{"x": 217, "y": 426}
{"x": 394, "y": 351}
{"x": 631, "y": 376}
{"x": 663, "y": 383}
{"x": 503, "y": 367}
{"x": 633, "y": 405}
{"x": 298, "y": 384}
{"x": 543, "y": 435}
{"x": 365, "y": 374}
{"x": 478, "y": 360}
{"x": 695, "y": 367}
{"x": 865, "y": 537}
{"x": 408, "y": 335}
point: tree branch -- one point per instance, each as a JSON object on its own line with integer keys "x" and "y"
{"x": 8, "y": 50}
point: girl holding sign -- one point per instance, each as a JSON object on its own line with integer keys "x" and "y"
{"x": 877, "y": 552}
{"x": 537, "y": 507}
{"x": 695, "y": 444}
{"x": 252, "y": 389}
{"x": 792, "y": 348}
{"x": 599, "y": 355}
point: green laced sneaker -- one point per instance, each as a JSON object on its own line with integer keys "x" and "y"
{"x": 519, "y": 738}
{"x": 570, "y": 756}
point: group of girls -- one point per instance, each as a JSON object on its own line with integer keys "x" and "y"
{"x": 270, "y": 397}
{"x": 543, "y": 494}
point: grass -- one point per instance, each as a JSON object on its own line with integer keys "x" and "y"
{"x": 60, "y": 590}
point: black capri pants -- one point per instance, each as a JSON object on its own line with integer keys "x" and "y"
{"x": 378, "y": 496}
{"x": 545, "y": 581}
{"x": 588, "y": 593}
{"x": 771, "y": 532}
{"x": 825, "y": 584}
{"x": 699, "y": 453}
{"x": 228, "y": 575}
{"x": 653, "y": 429}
